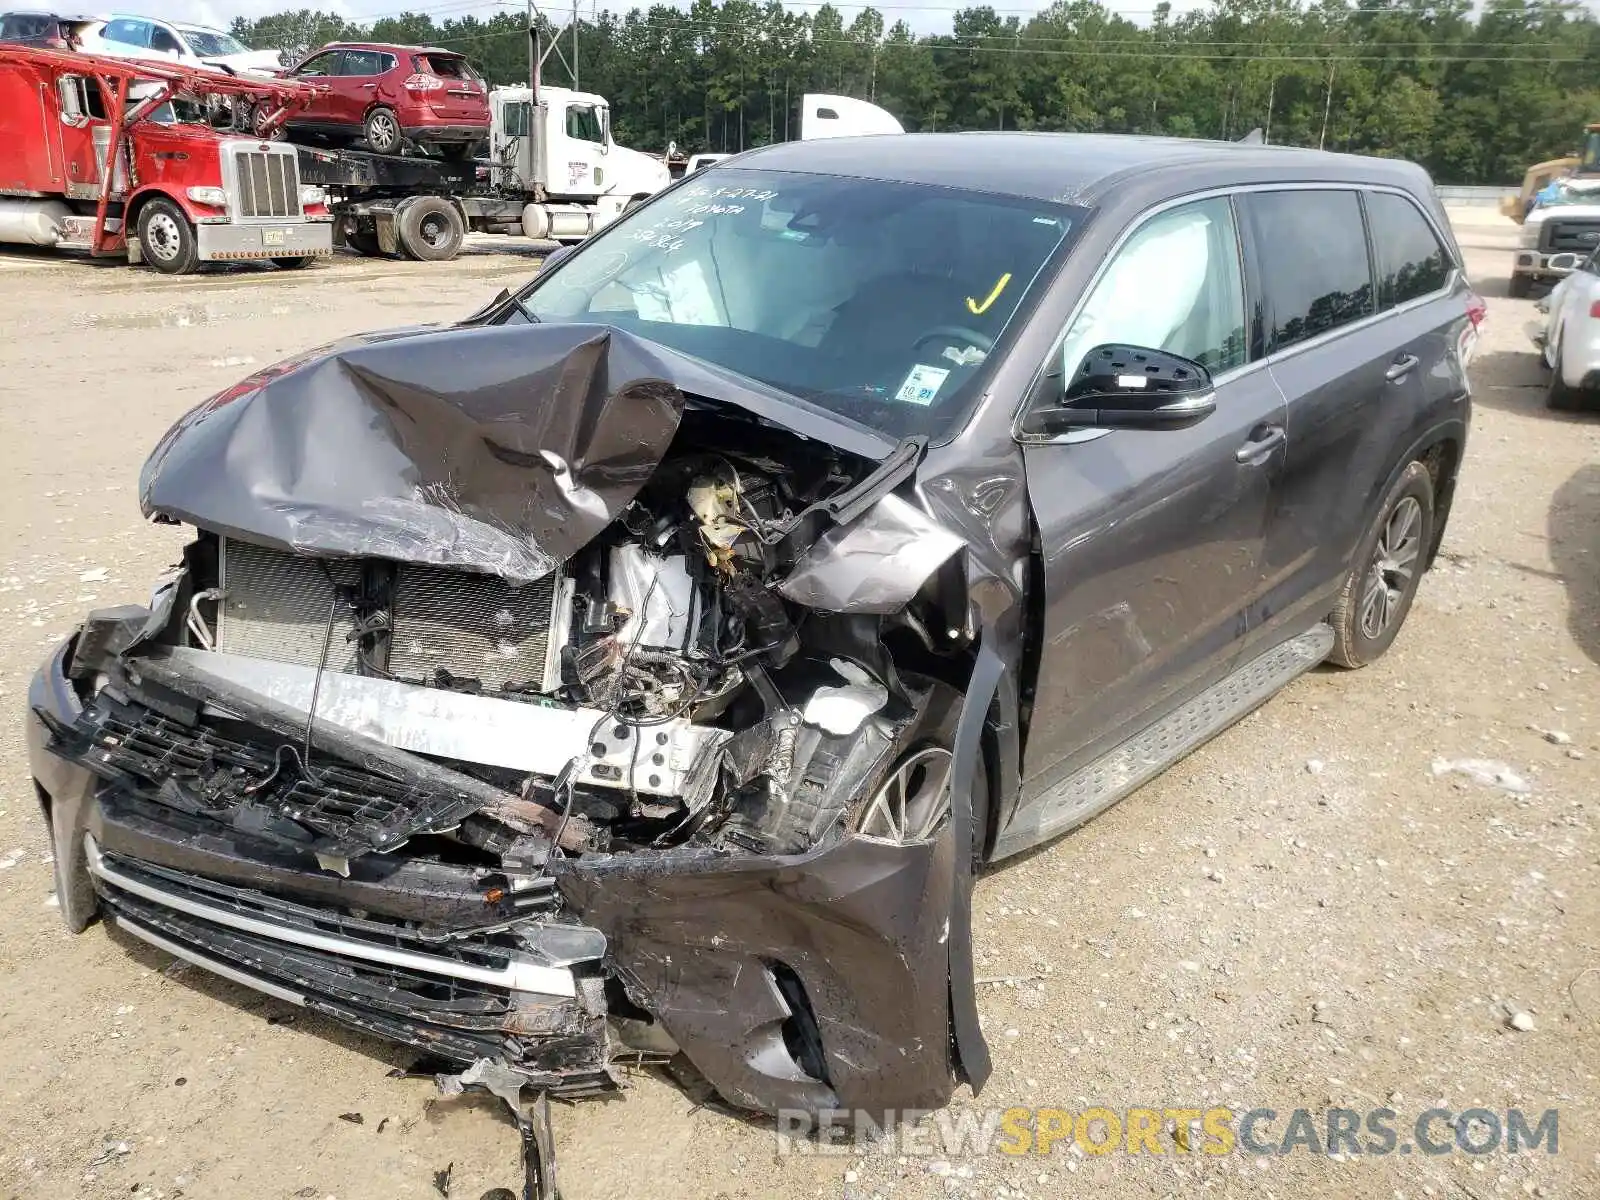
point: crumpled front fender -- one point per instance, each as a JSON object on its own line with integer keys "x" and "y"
{"x": 862, "y": 924}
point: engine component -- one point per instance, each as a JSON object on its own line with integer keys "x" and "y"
{"x": 276, "y": 605}
{"x": 657, "y": 595}
{"x": 479, "y": 627}
{"x": 468, "y": 627}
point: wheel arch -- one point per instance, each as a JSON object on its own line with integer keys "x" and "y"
{"x": 136, "y": 204}
{"x": 1439, "y": 451}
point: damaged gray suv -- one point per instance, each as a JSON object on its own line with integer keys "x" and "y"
{"x": 645, "y": 664}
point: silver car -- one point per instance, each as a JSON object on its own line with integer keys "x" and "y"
{"x": 1568, "y": 338}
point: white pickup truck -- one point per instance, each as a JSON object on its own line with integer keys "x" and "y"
{"x": 1558, "y": 234}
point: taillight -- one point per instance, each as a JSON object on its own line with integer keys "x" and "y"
{"x": 1594, "y": 309}
{"x": 1477, "y": 310}
{"x": 423, "y": 83}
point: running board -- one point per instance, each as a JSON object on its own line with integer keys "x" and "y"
{"x": 1132, "y": 764}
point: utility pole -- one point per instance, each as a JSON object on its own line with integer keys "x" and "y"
{"x": 1327, "y": 103}
{"x": 574, "y": 45}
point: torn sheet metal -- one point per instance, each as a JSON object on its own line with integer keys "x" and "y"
{"x": 874, "y": 565}
{"x": 498, "y": 449}
{"x": 711, "y": 937}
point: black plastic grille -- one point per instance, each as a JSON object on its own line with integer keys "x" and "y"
{"x": 350, "y": 806}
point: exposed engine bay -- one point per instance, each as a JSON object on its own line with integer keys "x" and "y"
{"x": 545, "y": 752}
{"x": 652, "y": 690}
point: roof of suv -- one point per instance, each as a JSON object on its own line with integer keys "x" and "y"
{"x": 391, "y": 48}
{"x": 1073, "y": 168}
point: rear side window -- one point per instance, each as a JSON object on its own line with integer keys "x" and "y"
{"x": 1313, "y": 250}
{"x": 1411, "y": 260}
{"x": 445, "y": 66}
{"x": 364, "y": 62}
{"x": 516, "y": 119}
{"x": 24, "y": 25}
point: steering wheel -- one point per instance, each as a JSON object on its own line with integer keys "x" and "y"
{"x": 960, "y": 333}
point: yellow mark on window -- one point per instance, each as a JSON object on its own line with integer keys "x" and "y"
{"x": 977, "y": 309}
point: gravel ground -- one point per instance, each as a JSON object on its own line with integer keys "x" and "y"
{"x": 1300, "y": 915}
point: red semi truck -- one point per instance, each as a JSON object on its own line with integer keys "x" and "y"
{"x": 174, "y": 192}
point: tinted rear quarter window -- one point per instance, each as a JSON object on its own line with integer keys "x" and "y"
{"x": 24, "y": 25}
{"x": 445, "y": 67}
{"x": 1312, "y": 246}
{"x": 1411, "y": 260}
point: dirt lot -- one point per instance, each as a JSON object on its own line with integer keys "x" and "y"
{"x": 1300, "y": 915}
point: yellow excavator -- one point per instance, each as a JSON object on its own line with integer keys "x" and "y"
{"x": 1585, "y": 163}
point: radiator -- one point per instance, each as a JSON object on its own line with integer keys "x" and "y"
{"x": 471, "y": 626}
{"x": 476, "y": 626}
{"x": 275, "y": 605}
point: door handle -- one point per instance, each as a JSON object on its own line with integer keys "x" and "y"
{"x": 1258, "y": 448}
{"x": 1400, "y": 367}
{"x": 369, "y": 86}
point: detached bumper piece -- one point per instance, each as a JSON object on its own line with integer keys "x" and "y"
{"x": 462, "y": 1001}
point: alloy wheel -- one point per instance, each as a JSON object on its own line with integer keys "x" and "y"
{"x": 1393, "y": 567}
{"x": 382, "y": 132}
{"x": 912, "y": 804}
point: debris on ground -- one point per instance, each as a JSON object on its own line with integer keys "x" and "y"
{"x": 1488, "y": 772}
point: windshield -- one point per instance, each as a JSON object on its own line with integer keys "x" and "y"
{"x": 1590, "y": 160}
{"x": 879, "y": 301}
{"x": 209, "y": 44}
{"x": 1570, "y": 191}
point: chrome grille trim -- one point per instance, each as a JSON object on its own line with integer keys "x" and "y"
{"x": 262, "y": 180}
{"x": 518, "y": 974}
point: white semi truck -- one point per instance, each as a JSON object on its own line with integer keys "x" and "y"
{"x": 553, "y": 172}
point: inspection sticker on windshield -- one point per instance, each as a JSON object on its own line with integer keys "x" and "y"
{"x": 922, "y": 385}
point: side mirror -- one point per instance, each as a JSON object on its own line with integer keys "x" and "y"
{"x": 554, "y": 257}
{"x": 1132, "y": 387}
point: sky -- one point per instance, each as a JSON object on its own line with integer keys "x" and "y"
{"x": 922, "y": 18}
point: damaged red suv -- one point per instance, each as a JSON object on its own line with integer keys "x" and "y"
{"x": 389, "y": 96}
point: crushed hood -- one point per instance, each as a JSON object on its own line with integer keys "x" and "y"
{"x": 497, "y": 449}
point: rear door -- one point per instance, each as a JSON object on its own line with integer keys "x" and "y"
{"x": 1149, "y": 540}
{"x": 1344, "y": 375}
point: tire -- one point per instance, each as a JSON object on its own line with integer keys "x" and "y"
{"x": 365, "y": 244}
{"x": 381, "y": 129}
{"x": 430, "y": 229}
{"x": 1390, "y": 557}
{"x": 1558, "y": 396}
{"x": 1519, "y": 287}
{"x": 166, "y": 239}
{"x": 292, "y": 264}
